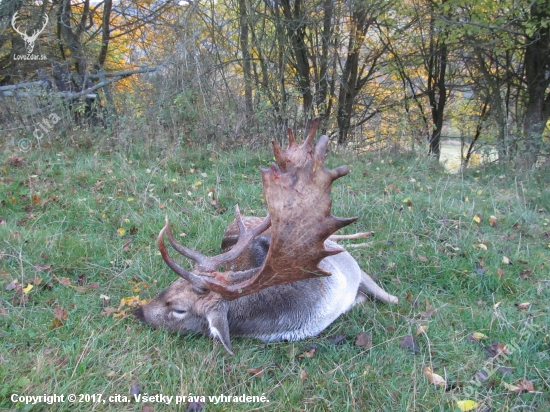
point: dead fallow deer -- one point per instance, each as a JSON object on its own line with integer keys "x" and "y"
{"x": 278, "y": 278}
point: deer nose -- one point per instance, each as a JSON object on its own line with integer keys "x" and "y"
{"x": 138, "y": 313}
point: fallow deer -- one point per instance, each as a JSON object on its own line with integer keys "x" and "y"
{"x": 278, "y": 278}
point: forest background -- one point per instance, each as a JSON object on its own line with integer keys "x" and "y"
{"x": 383, "y": 74}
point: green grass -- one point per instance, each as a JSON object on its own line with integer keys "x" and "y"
{"x": 61, "y": 211}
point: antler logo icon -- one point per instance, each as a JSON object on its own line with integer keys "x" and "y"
{"x": 29, "y": 40}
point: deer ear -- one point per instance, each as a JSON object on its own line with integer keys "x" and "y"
{"x": 219, "y": 328}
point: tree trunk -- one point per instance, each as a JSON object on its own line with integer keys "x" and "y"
{"x": 247, "y": 72}
{"x": 536, "y": 63}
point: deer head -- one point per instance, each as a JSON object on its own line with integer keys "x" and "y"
{"x": 297, "y": 191}
{"x": 29, "y": 40}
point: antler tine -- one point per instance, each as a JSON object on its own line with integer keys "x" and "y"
{"x": 14, "y": 21}
{"x": 299, "y": 204}
{"x": 245, "y": 237}
{"x": 313, "y": 126}
{"x": 193, "y": 279}
{"x": 197, "y": 257}
{"x": 296, "y": 156}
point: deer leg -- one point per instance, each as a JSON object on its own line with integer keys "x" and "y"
{"x": 369, "y": 287}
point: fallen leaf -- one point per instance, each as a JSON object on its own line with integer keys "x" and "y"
{"x": 135, "y": 389}
{"x": 303, "y": 374}
{"x": 506, "y": 260}
{"x": 108, "y": 311}
{"x": 467, "y": 405}
{"x": 525, "y": 273}
{"x": 147, "y": 408}
{"x": 422, "y": 258}
{"x": 434, "y": 377}
{"x": 257, "y": 372}
{"x": 27, "y": 289}
{"x": 477, "y": 218}
{"x": 121, "y": 231}
{"x": 364, "y": 339}
{"x": 512, "y": 388}
{"x": 409, "y": 344}
{"x": 421, "y": 329}
{"x": 526, "y": 385}
{"x": 523, "y": 306}
{"x": 496, "y": 349}
{"x": 194, "y": 406}
{"x": 40, "y": 267}
{"x": 310, "y": 353}
{"x": 60, "y": 313}
{"x": 64, "y": 281}
{"x": 335, "y": 340}
{"x": 500, "y": 272}
{"x": 492, "y": 221}
{"x": 12, "y": 285}
{"x": 481, "y": 246}
{"x": 476, "y": 336}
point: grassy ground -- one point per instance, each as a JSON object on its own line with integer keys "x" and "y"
{"x": 462, "y": 252}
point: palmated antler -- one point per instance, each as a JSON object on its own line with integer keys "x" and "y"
{"x": 297, "y": 191}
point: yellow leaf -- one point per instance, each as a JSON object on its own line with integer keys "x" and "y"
{"x": 198, "y": 183}
{"x": 479, "y": 191}
{"x": 28, "y": 288}
{"x": 477, "y": 219}
{"x": 130, "y": 199}
{"x": 434, "y": 377}
{"x": 478, "y": 336}
{"x": 511, "y": 388}
{"x": 467, "y": 405}
{"x": 121, "y": 231}
{"x": 481, "y": 246}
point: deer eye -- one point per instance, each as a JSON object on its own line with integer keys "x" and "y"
{"x": 178, "y": 312}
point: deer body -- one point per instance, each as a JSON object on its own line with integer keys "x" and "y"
{"x": 301, "y": 309}
{"x": 282, "y": 278}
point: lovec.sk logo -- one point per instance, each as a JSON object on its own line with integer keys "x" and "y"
{"x": 29, "y": 40}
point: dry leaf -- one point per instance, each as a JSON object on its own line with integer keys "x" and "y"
{"x": 257, "y": 372}
{"x": 496, "y": 349}
{"x": 12, "y": 285}
{"x": 506, "y": 260}
{"x": 364, "y": 339}
{"x": 434, "y": 377}
{"x": 523, "y": 306}
{"x": 335, "y": 340}
{"x": 421, "y": 329}
{"x": 27, "y": 289}
{"x": 500, "y": 272}
{"x": 408, "y": 343}
{"x": 492, "y": 221}
{"x": 303, "y": 374}
{"x": 525, "y": 273}
{"x": 135, "y": 389}
{"x": 422, "y": 258}
{"x": 194, "y": 406}
{"x": 309, "y": 354}
{"x": 526, "y": 385}
{"x": 467, "y": 405}
{"x": 121, "y": 231}
{"x": 512, "y": 388}
{"x": 476, "y": 336}
{"x": 64, "y": 281}
{"x": 147, "y": 408}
